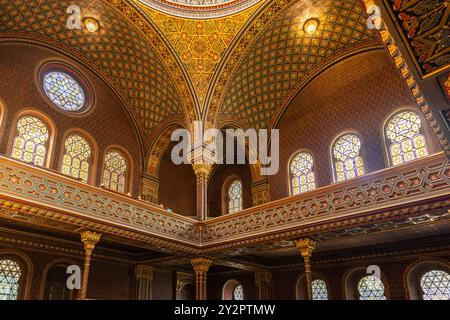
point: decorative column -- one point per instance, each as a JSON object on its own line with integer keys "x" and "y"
{"x": 202, "y": 172}
{"x": 260, "y": 193}
{"x": 306, "y": 247}
{"x": 150, "y": 187}
{"x": 263, "y": 281}
{"x": 144, "y": 280}
{"x": 89, "y": 240}
{"x": 201, "y": 266}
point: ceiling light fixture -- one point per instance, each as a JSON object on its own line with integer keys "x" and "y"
{"x": 91, "y": 24}
{"x": 311, "y": 25}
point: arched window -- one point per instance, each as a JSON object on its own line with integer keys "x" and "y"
{"x": 319, "y": 290}
{"x": 302, "y": 173}
{"x": 76, "y": 159}
{"x": 31, "y": 140}
{"x": 10, "y": 274}
{"x": 115, "y": 171}
{"x": 435, "y": 285}
{"x": 235, "y": 197}
{"x": 371, "y": 288}
{"x": 64, "y": 91}
{"x": 405, "y": 138}
{"x": 55, "y": 284}
{"x": 238, "y": 292}
{"x": 348, "y": 162}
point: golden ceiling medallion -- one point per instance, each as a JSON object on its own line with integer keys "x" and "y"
{"x": 199, "y": 9}
{"x": 311, "y": 25}
{"x": 91, "y": 24}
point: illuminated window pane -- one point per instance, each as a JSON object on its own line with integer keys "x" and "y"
{"x": 9, "y": 279}
{"x": 114, "y": 174}
{"x": 64, "y": 91}
{"x": 435, "y": 285}
{"x": 76, "y": 158}
{"x": 302, "y": 174}
{"x": 235, "y": 197}
{"x": 319, "y": 290}
{"x": 238, "y": 293}
{"x": 30, "y": 142}
{"x": 405, "y": 138}
{"x": 348, "y": 163}
{"x": 371, "y": 288}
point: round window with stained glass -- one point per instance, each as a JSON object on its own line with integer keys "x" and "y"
{"x": 64, "y": 91}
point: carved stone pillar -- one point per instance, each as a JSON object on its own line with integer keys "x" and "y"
{"x": 89, "y": 240}
{"x": 201, "y": 266}
{"x": 150, "y": 187}
{"x": 202, "y": 172}
{"x": 144, "y": 280}
{"x": 263, "y": 281}
{"x": 306, "y": 247}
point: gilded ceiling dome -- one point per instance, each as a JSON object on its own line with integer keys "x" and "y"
{"x": 200, "y": 9}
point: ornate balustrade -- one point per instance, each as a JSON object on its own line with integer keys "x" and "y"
{"x": 39, "y": 192}
{"x": 419, "y": 181}
{"x": 39, "y": 188}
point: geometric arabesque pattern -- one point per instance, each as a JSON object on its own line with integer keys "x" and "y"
{"x": 10, "y": 273}
{"x": 435, "y": 285}
{"x": 238, "y": 292}
{"x": 407, "y": 141}
{"x": 114, "y": 173}
{"x": 348, "y": 163}
{"x": 235, "y": 197}
{"x": 319, "y": 290}
{"x": 30, "y": 142}
{"x": 371, "y": 288}
{"x": 76, "y": 159}
{"x": 117, "y": 49}
{"x": 302, "y": 174}
{"x": 283, "y": 55}
{"x": 200, "y": 44}
{"x": 64, "y": 91}
{"x": 424, "y": 25}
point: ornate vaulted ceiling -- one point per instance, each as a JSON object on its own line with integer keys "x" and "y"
{"x": 118, "y": 50}
{"x": 200, "y": 44}
{"x": 202, "y": 59}
{"x": 284, "y": 55}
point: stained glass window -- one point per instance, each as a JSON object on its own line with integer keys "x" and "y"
{"x": 235, "y": 197}
{"x": 64, "y": 91}
{"x": 371, "y": 288}
{"x": 10, "y": 273}
{"x": 115, "y": 170}
{"x": 238, "y": 293}
{"x": 30, "y": 141}
{"x": 348, "y": 163}
{"x": 76, "y": 158}
{"x": 319, "y": 290}
{"x": 302, "y": 174}
{"x": 406, "y": 139}
{"x": 435, "y": 285}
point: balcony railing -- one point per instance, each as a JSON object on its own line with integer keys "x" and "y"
{"x": 422, "y": 181}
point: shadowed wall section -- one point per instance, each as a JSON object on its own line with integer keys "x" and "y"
{"x": 177, "y": 186}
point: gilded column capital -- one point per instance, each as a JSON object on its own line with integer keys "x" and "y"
{"x": 202, "y": 169}
{"x": 201, "y": 264}
{"x": 144, "y": 272}
{"x": 306, "y": 247}
{"x": 90, "y": 239}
